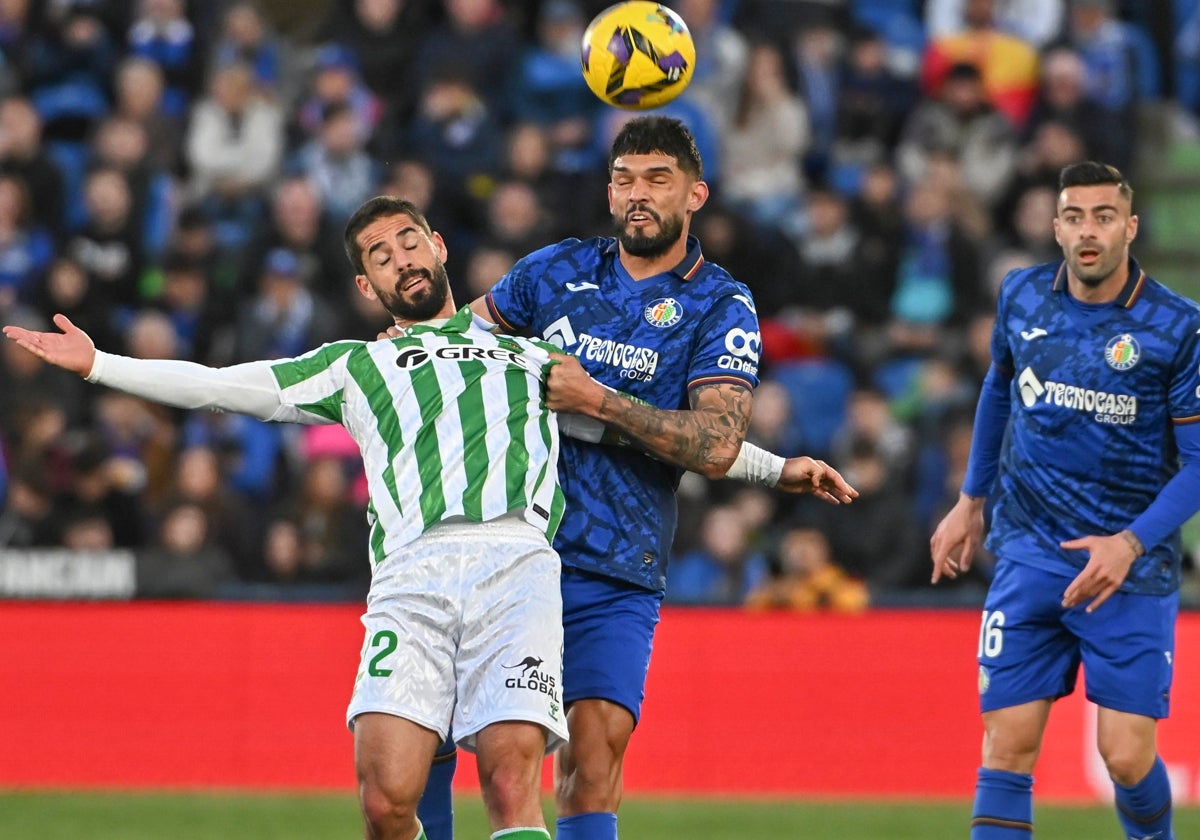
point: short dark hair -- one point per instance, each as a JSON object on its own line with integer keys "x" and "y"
{"x": 379, "y": 207}
{"x": 1092, "y": 173}
{"x": 669, "y": 136}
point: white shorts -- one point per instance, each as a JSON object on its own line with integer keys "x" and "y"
{"x": 464, "y": 627}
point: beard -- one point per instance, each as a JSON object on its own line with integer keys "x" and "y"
{"x": 648, "y": 247}
{"x": 1095, "y": 274}
{"x": 423, "y": 305}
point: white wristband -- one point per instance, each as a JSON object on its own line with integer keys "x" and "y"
{"x": 756, "y": 466}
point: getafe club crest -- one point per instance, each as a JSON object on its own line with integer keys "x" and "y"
{"x": 664, "y": 312}
{"x": 1122, "y": 352}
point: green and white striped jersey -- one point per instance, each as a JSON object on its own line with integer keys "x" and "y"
{"x": 450, "y": 421}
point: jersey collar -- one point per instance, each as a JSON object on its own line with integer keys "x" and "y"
{"x": 687, "y": 267}
{"x": 460, "y": 323}
{"x": 1129, "y": 294}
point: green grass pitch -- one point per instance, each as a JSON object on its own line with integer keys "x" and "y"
{"x": 142, "y": 816}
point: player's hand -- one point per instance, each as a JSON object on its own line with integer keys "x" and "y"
{"x": 1109, "y": 561}
{"x": 805, "y": 475}
{"x": 71, "y": 349}
{"x": 569, "y": 388}
{"x": 957, "y": 538}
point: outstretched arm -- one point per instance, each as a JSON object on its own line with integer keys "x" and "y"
{"x": 244, "y": 389}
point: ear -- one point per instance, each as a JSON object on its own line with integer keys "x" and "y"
{"x": 439, "y": 246}
{"x": 698, "y": 196}
{"x": 1057, "y": 238}
{"x": 1131, "y": 229}
{"x": 610, "y": 197}
{"x": 364, "y": 287}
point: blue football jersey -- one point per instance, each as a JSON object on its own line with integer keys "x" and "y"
{"x": 1096, "y": 393}
{"x": 656, "y": 339}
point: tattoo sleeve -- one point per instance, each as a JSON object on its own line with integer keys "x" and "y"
{"x": 705, "y": 439}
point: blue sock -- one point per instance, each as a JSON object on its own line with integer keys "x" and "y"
{"x": 436, "y": 808}
{"x": 1003, "y": 806}
{"x": 1145, "y": 808}
{"x": 597, "y": 825}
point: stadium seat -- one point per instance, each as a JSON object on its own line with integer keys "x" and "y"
{"x": 819, "y": 390}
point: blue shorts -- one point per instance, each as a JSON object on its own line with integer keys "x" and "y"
{"x": 1030, "y": 648}
{"x": 608, "y": 630}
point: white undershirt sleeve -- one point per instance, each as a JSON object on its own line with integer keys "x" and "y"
{"x": 248, "y": 388}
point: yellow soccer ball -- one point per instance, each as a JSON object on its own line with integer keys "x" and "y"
{"x": 637, "y": 55}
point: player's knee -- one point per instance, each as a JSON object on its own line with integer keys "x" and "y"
{"x": 1014, "y": 752}
{"x": 511, "y": 791}
{"x": 385, "y": 811}
{"x": 1126, "y": 764}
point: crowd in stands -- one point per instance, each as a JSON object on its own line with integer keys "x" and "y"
{"x": 174, "y": 177}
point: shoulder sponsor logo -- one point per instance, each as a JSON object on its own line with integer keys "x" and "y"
{"x": 664, "y": 312}
{"x": 1105, "y": 407}
{"x": 1122, "y": 352}
{"x": 580, "y": 287}
{"x": 1036, "y": 332}
{"x": 747, "y": 301}
{"x": 743, "y": 348}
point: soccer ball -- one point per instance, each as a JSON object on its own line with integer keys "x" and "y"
{"x": 637, "y": 55}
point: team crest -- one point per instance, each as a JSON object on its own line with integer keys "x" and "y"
{"x": 1122, "y": 352}
{"x": 985, "y": 680}
{"x": 664, "y": 312}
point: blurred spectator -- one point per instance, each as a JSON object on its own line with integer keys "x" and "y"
{"x": 1121, "y": 70}
{"x": 335, "y": 82}
{"x": 123, "y": 144}
{"x": 322, "y": 537}
{"x": 1036, "y": 22}
{"x": 337, "y": 165}
{"x": 1007, "y": 63}
{"x": 937, "y": 283}
{"x": 807, "y": 578}
{"x": 186, "y": 299}
{"x": 549, "y": 90}
{"x": 109, "y": 247}
{"x": 234, "y": 147}
{"x": 1051, "y": 147}
{"x": 516, "y": 219}
{"x": 383, "y": 35}
{"x": 872, "y": 104}
{"x": 722, "y": 568}
{"x": 162, "y": 33}
{"x": 71, "y": 62}
{"x": 478, "y": 41}
{"x": 762, "y": 147}
{"x": 486, "y": 265}
{"x": 296, "y": 223}
{"x": 458, "y": 134}
{"x": 722, "y": 51}
{"x": 138, "y": 88}
{"x": 25, "y": 247}
{"x": 23, "y": 154}
{"x": 869, "y": 418}
{"x": 960, "y": 122}
{"x": 109, "y": 474}
{"x": 817, "y": 55}
{"x": 876, "y": 539}
{"x": 16, "y": 26}
{"x": 246, "y": 38}
{"x": 184, "y": 561}
{"x": 284, "y": 318}
{"x": 69, "y": 290}
{"x": 1062, "y": 99}
{"x": 530, "y": 158}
